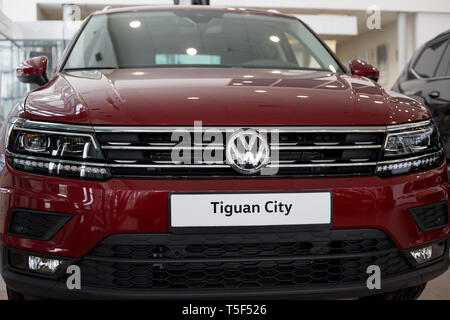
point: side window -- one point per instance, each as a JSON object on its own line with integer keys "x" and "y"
{"x": 444, "y": 66}
{"x": 428, "y": 61}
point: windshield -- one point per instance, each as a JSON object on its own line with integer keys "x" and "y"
{"x": 197, "y": 38}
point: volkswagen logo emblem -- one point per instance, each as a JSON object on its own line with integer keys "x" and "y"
{"x": 247, "y": 151}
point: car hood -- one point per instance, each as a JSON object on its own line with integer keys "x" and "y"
{"x": 218, "y": 96}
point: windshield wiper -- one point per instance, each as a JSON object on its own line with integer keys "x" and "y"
{"x": 88, "y": 68}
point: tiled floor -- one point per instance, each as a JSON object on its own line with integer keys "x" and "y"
{"x": 438, "y": 289}
{"x": 2, "y": 290}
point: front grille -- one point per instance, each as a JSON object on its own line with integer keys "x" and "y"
{"x": 300, "y": 151}
{"x": 431, "y": 216}
{"x": 41, "y": 225}
{"x": 232, "y": 261}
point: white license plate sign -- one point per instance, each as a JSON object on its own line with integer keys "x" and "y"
{"x": 249, "y": 209}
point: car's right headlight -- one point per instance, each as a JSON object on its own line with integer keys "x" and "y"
{"x": 48, "y": 148}
{"x": 409, "y": 148}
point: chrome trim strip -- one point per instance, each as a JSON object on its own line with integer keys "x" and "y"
{"x": 119, "y": 143}
{"x": 346, "y": 147}
{"x": 64, "y": 133}
{"x": 323, "y": 161}
{"x": 321, "y": 129}
{"x": 356, "y": 164}
{"x": 125, "y": 161}
{"x": 106, "y": 147}
{"x": 170, "y": 166}
{"x": 213, "y": 166}
{"x": 410, "y": 125}
{"x": 167, "y": 144}
{"x": 42, "y": 125}
{"x": 363, "y": 143}
{"x": 326, "y": 143}
{"x": 158, "y": 148}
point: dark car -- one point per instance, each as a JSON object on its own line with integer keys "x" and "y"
{"x": 427, "y": 79}
{"x": 217, "y": 153}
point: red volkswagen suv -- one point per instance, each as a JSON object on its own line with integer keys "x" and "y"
{"x": 214, "y": 153}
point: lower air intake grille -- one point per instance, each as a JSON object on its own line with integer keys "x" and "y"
{"x": 240, "y": 261}
{"x": 40, "y": 225}
{"x": 431, "y": 216}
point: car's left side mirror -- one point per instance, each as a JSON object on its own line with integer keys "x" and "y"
{"x": 363, "y": 69}
{"x": 33, "y": 70}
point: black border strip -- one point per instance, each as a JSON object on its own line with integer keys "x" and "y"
{"x": 244, "y": 229}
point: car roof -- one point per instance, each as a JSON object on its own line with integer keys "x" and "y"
{"x": 191, "y": 8}
{"x": 443, "y": 34}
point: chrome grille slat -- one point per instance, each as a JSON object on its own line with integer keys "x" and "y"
{"x": 334, "y": 147}
{"x": 227, "y": 166}
{"x": 147, "y": 151}
{"x": 326, "y": 143}
{"x": 350, "y": 147}
{"x": 119, "y": 143}
{"x": 125, "y": 161}
{"x": 307, "y": 129}
{"x": 105, "y": 147}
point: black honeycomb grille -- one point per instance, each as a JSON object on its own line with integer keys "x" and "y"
{"x": 39, "y": 225}
{"x": 248, "y": 274}
{"x": 239, "y": 261}
{"x": 431, "y": 216}
{"x": 250, "y": 249}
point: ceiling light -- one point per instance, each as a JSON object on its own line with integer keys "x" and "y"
{"x": 135, "y": 24}
{"x": 191, "y": 51}
{"x": 274, "y": 39}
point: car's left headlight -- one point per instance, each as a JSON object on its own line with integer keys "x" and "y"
{"x": 52, "y": 149}
{"x": 410, "y": 148}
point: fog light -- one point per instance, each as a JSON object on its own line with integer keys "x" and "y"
{"x": 43, "y": 265}
{"x": 32, "y": 263}
{"x": 423, "y": 254}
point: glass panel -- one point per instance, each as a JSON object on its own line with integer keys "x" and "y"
{"x": 429, "y": 59}
{"x": 302, "y": 54}
{"x": 444, "y": 66}
{"x": 197, "y": 37}
{"x": 11, "y": 90}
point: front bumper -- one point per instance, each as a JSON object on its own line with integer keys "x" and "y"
{"x": 124, "y": 206}
{"x": 38, "y": 287}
